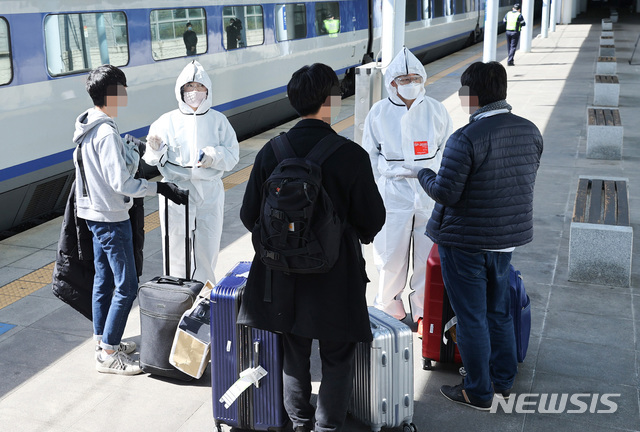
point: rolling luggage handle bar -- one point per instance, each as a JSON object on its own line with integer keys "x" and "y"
{"x": 255, "y": 360}
{"x": 187, "y": 239}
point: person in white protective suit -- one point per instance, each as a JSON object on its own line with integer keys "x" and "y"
{"x": 192, "y": 147}
{"x": 408, "y": 129}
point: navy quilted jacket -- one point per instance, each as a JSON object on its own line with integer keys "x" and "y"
{"x": 484, "y": 189}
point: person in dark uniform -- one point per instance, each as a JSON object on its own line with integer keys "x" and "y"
{"x": 515, "y": 22}
{"x": 233, "y": 33}
{"x": 330, "y": 307}
{"x": 190, "y": 40}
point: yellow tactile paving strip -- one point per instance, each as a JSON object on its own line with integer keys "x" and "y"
{"x": 38, "y": 279}
{"x": 26, "y": 285}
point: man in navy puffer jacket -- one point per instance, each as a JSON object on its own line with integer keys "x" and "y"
{"x": 484, "y": 209}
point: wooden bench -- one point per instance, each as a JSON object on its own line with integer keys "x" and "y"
{"x": 604, "y": 133}
{"x": 606, "y": 90}
{"x": 601, "y": 238}
{"x": 606, "y": 65}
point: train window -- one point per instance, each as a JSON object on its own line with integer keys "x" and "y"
{"x": 178, "y": 33}
{"x": 328, "y": 18}
{"x": 437, "y": 8}
{"x": 243, "y": 26}
{"x": 458, "y": 7}
{"x": 411, "y": 11}
{"x": 291, "y": 21}
{"x": 6, "y": 72}
{"x": 80, "y": 42}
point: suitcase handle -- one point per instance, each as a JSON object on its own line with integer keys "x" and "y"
{"x": 256, "y": 358}
{"x": 187, "y": 238}
{"x": 171, "y": 280}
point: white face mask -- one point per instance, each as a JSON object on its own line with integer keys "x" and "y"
{"x": 194, "y": 98}
{"x": 410, "y": 91}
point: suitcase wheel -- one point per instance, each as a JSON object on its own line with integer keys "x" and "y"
{"x": 426, "y": 364}
{"x": 409, "y": 428}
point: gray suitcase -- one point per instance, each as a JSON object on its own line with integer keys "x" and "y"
{"x": 162, "y": 302}
{"x": 383, "y": 375}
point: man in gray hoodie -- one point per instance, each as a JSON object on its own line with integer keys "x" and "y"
{"x": 105, "y": 188}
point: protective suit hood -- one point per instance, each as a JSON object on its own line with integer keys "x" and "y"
{"x": 196, "y": 73}
{"x": 404, "y": 63}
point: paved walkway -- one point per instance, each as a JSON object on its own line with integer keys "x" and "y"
{"x": 584, "y": 338}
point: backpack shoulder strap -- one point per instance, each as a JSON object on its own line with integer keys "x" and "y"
{"x": 325, "y": 148}
{"x": 282, "y": 147}
{"x": 81, "y": 167}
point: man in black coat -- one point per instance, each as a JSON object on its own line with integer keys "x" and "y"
{"x": 330, "y": 307}
{"x": 190, "y": 39}
{"x": 484, "y": 209}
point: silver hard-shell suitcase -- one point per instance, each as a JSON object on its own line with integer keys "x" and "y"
{"x": 383, "y": 375}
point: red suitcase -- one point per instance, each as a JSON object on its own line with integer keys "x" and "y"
{"x": 437, "y": 313}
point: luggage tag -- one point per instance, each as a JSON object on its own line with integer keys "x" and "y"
{"x": 247, "y": 378}
{"x": 450, "y": 326}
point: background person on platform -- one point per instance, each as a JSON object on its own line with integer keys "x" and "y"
{"x": 515, "y": 22}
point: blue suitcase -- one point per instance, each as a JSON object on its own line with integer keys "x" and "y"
{"x": 235, "y": 348}
{"x": 521, "y": 312}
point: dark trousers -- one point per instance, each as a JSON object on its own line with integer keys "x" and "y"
{"x": 477, "y": 283}
{"x": 335, "y": 388}
{"x": 513, "y": 37}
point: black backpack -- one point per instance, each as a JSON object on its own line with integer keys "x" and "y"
{"x": 300, "y": 231}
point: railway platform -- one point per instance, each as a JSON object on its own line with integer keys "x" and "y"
{"x": 584, "y": 337}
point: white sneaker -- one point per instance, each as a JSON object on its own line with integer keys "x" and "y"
{"x": 125, "y": 347}
{"x": 118, "y": 363}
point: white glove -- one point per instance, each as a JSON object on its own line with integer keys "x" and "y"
{"x": 411, "y": 171}
{"x": 206, "y": 160}
{"x": 154, "y": 141}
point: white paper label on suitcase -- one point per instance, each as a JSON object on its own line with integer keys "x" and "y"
{"x": 247, "y": 377}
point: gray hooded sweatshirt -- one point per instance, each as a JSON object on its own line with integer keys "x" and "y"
{"x": 105, "y": 187}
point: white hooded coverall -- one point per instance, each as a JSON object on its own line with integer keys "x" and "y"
{"x": 394, "y": 136}
{"x": 184, "y": 133}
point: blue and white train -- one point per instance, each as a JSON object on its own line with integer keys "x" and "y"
{"x": 249, "y": 48}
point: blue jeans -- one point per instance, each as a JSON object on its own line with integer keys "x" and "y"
{"x": 115, "y": 284}
{"x": 477, "y": 283}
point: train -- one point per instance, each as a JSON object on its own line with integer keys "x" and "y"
{"x": 250, "y": 48}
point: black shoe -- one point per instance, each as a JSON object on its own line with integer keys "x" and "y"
{"x": 510, "y": 64}
{"x": 459, "y": 395}
{"x": 504, "y": 394}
